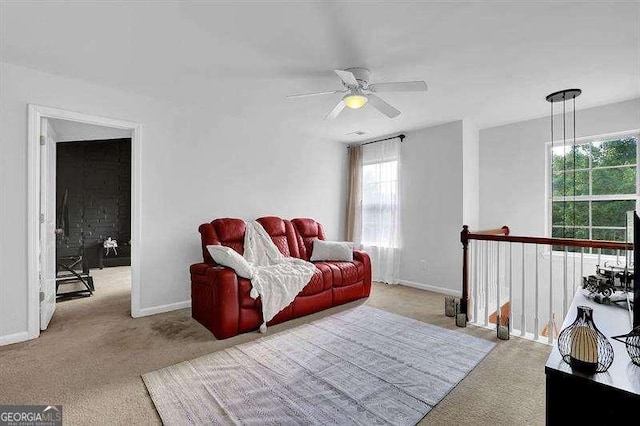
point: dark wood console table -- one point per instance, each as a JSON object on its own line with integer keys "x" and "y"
{"x": 612, "y": 397}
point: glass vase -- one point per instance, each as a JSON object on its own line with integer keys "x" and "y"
{"x": 461, "y": 319}
{"x": 502, "y": 327}
{"x": 450, "y": 306}
{"x": 583, "y": 346}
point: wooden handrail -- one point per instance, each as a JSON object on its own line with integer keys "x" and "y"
{"x": 502, "y": 235}
{"x": 496, "y": 231}
{"x": 568, "y": 242}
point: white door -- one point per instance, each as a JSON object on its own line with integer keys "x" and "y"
{"x": 47, "y": 223}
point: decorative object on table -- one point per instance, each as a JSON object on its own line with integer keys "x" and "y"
{"x": 608, "y": 280}
{"x": 108, "y": 258}
{"x": 450, "y": 306}
{"x": 110, "y": 244}
{"x": 583, "y": 346}
{"x": 611, "y": 285}
{"x": 359, "y": 344}
{"x": 502, "y": 327}
{"x": 561, "y": 97}
{"x": 550, "y": 327}
{"x": 632, "y": 342}
{"x": 461, "y": 318}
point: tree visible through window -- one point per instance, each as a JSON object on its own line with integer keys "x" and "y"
{"x": 593, "y": 185}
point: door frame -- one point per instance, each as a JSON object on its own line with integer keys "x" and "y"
{"x": 35, "y": 114}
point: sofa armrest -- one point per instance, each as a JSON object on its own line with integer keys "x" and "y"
{"x": 214, "y": 299}
{"x": 363, "y": 257}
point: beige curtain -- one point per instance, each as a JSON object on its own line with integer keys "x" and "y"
{"x": 354, "y": 201}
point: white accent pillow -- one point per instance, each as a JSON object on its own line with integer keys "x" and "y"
{"x": 226, "y": 256}
{"x": 332, "y": 250}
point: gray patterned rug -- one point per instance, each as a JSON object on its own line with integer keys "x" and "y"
{"x": 361, "y": 366}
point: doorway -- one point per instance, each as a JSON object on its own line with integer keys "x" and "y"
{"x": 73, "y": 222}
{"x": 93, "y": 208}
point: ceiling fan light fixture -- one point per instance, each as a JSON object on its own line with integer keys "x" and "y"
{"x": 355, "y": 101}
{"x": 357, "y": 92}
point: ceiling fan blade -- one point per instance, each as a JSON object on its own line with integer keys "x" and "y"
{"x": 306, "y": 95}
{"x": 382, "y": 106}
{"x": 348, "y": 77}
{"x": 335, "y": 111}
{"x": 401, "y": 86}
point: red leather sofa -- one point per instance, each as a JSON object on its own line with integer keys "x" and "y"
{"x": 220, "y": 299}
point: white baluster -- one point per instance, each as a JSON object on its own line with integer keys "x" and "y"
{"x": 510, "y": 283}
{"x": 564, "y": 283}
{"x": 550, "y": 324}
{"x": 536, "y": 321}
{"x": 486, "y": 293}
{"x": 498, "y": 312}
{"x": 475, "y": 280}
{"x": 523, "y": 321}
{"x": 581, "y": 265}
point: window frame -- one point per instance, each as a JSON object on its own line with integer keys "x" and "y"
{"x": 549, "y": 197}
{"x": 362, "y": 203}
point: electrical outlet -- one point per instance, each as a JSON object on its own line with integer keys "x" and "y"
{"x": 423, "y": 265}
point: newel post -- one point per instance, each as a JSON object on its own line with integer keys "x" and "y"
{"x": 464, "y": 239}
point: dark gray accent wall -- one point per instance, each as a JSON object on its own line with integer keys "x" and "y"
{"x": 96, "y": 175}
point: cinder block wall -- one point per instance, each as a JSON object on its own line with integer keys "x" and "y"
{"x": 97, "y": 176}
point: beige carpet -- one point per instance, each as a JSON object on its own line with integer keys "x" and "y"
{"x": 91, "y": 358}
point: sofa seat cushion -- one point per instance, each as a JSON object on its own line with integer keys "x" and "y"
{"x": 344, "y": 273}
{"x": 348, "y": 293}
{"x": 320, "y": 281}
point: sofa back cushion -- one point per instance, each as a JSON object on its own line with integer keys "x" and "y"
{"x": 227, "y": 231}
{"x": 308, "y": 230}
{"x": 282, "y": 234}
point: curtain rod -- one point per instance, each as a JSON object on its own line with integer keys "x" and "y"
{"x": 401, "y": 136}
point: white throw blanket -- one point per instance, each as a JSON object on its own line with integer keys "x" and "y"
{"x": 276, "y": 279}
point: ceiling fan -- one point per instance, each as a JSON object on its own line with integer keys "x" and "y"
{"x": 359, "y": 92}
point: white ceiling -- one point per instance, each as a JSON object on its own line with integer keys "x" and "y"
{"x": 490, "y": 62}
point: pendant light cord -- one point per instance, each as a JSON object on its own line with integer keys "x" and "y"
{"x": 564, "y": 168}
{"x": 553, "y": 172}
{"x": 574, "y": 184}
{"x": 575, "y": 166}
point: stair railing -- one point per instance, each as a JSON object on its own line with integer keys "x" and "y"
{"x": 549, "y": 271}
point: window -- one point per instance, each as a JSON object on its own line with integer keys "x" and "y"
{"x": 593, "y": 185}
{"x": 379, "y": 203}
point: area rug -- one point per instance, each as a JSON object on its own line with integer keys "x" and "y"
{"x": 361, "y": 366}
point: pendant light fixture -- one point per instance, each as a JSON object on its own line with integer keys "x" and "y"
{"x": 563, "y": 96}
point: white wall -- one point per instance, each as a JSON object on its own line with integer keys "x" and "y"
{"x": 471, "y": 174}
{"x": 197, "y": 165}
{"x": 68, "y": 131}
{"x": 432, "y": 208}
{"x": 512, "y": 164}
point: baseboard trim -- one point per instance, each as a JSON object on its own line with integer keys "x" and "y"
{"x": 14, "y": 338}
{"x": 145, "y": 312}
{"x": 429, "y": 287}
